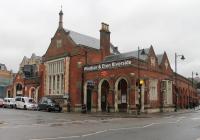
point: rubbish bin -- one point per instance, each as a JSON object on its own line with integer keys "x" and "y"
{"x": 83, "y": 108}
{"x": 68, "y": 107}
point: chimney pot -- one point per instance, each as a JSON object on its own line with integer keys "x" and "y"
{"x": 104, "y": 27}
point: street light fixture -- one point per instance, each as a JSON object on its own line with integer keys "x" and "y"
{"x": 182, "y": 58}
{"x": 193, "y": 77}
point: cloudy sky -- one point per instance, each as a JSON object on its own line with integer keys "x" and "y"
{"x": 26, "y": 26}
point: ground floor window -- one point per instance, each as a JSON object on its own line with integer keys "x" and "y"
{"x": 153, "y": 89}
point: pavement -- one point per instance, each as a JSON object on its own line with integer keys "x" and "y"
{"x": 142, "y": 115}
{"x": 40, "y": 125}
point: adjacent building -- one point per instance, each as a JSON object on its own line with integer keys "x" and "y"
{"x": 27, "y": 81}
{"x": 5, "y": 80}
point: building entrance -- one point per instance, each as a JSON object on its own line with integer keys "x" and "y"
{"x": 19, "y": 90}
{"x": 122, "y": 95}
{"x": 89, "y": 100}
{"x": 104, "y": 95}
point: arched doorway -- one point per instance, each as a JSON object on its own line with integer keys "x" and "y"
{"x": 104, "y": 94}
{"x": 89, "y": 98}
{"x": 88, "y": 88}
{"x": 19, "y": 90}
{"x": 122, "y": 96}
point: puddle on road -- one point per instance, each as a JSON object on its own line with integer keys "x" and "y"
{"x": 104, "y": 121}
{"x": 40, "y": 121}
{"x": 2, "y": 124}
{"x": 56, "y": 124}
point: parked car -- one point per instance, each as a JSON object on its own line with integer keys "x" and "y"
{"x": 1, "y": 102}
{"x": 49, "y": 104}
{"x": 9, "y": 102}
{"x": 31, "y": 104}
{"x": 25, "y": 103}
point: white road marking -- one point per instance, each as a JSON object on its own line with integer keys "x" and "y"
{"x": 57, "y": 138}
{"x": 57, "y": 123}
{"x": 198, "y": 139}
{"x": 107, "y": 130}
{"x": 195, "y": 118}
{"x": 90, "y": 134}
{"x": 148, "y": 125}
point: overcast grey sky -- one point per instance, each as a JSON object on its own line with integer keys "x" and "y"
{"x": 26, "y": 26}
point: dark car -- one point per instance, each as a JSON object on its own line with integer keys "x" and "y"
{"x": 49, "y": 104}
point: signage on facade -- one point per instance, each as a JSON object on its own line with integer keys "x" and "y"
{"x": 123, "y": 98}
{"x": 110, "y": 65}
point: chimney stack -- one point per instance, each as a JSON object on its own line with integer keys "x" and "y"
{"x": 105, "y": 40}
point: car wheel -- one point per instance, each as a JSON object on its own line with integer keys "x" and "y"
{"x": 25, "y": 107}
{"x": 48, "y": 109}
{"x": 60, "y": 109}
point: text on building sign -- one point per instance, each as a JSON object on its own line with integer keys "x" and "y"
{"x": 108, "y": 65}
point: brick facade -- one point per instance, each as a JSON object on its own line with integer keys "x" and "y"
{"x": 93, "y": 73}
{"x": 101, "y": 79}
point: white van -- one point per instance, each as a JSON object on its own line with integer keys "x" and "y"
{"x": 9, "y": 102}
{"x": 25, "y": 103}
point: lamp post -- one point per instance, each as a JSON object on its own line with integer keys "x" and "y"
{"x": 138, "y": 80}
{"x": 193, "y": 85}
{"x": 177, "y": 94}
{"x": 132, "y": 75}
{"x": 193, "y": 77}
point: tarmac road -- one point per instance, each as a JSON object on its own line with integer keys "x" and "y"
{"x": 35, "y": 125}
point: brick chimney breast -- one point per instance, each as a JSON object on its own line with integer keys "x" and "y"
{"x": 104, "y": 40}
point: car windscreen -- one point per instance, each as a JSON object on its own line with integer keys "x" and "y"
{"x": 51, "y": 101}
{"x": 31, "y": 101}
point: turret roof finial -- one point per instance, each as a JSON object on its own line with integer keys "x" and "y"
{"x": 61, "y": 18}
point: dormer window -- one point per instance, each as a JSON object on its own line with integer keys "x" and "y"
{"x": 166, "y": 64}
{"x": 59, "y": 43}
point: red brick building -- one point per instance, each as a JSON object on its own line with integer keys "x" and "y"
{"x": 91, "y": 71}
{"x": 68, "y": 52}
{"x": 27, "y": 81}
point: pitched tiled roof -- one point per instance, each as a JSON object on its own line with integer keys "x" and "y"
{"x": 81, "y": 39}
{"x": 132, "y": 54}
{"x": 85, "y": 40}
{"x": 160, "y": 57}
